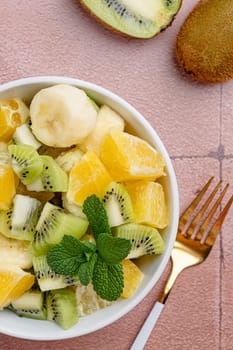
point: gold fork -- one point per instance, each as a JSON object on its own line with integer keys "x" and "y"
{"x": 196, "y": 235}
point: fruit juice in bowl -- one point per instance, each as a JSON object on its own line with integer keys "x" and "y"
{"x": 90, "y": 195}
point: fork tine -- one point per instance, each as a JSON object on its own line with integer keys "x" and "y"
{"x": 190, "y": 209}
{"x": 210, "y": 239}
{"x": 196, "y": 220}
{"x": 205, "y": 224}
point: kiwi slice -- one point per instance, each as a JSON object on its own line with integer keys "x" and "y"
{"x": 204, "y": 44}
{"x": 26, "y": 162}
{"x": 52, "y": 178}
{"x": 20, "y": 221}
{"x": 5, "y": 222}
{"x": 62, "y": 307}
{"x": 47, "y": 278}
{"x": 118, "y": 204}
{"x": 53, "y": 224}
{"x": 140, "y": 19}
{"x": 31, "y": 305}
{"x": 145, "y": 240}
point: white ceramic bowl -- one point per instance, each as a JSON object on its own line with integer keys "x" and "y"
{"x": 151, "y": 266}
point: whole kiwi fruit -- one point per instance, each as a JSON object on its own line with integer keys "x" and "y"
{"x": 204, "y": 44}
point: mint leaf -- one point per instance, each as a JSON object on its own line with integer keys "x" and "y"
{"x": 112, "y": 249}
{"x": 96, "y": 214}
{"x": 66, "y": 257}
{"x": 86, "y": 269}
{"x": 85, "y": 273}
{"x": 108, "y": 281}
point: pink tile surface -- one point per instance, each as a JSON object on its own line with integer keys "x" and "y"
{"x": 51, "y": 37}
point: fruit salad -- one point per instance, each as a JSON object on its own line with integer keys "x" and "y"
{"x": 80, "y": 202}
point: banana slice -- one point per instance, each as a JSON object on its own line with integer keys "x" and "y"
{"x": 62, "y": 115}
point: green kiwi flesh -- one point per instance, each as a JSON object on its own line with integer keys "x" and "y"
{"x": 53, "y": 224}
{"x": 204, "y": 45}
{"x": 19, "y": 222}
{"x": 138, "y": 18}
{"x": 52, "y": 178}
{"x": 47, "y": 279}
{"x": 144, "y": 240}
{"x": 26, "y": 162}
{"x": 118, "y": 204}
{"x": 31, "y": 305}
{"x": 62, "y": 307}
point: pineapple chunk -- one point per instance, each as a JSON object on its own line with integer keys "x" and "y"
{"x": 15, "y": 252}
{"x": 69, "y": 158}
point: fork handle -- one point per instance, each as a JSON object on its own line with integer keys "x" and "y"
{"x": 147, "y": 327}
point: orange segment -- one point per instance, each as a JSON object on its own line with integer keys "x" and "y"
{"x": 132, "y": 278}
{"x": 87, "y": 177}
{"x": 13, "y": 283}
{"x": 13, "y": 113}
{"x": 128, "y": 157}
{"x": 149, "y": 203}
{"x": 7, "y": 187}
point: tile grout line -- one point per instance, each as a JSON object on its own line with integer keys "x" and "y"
{"x": 213, "y": 155}
{"x": 221, "y": 243}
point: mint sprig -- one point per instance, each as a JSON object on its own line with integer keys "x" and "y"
{"x": 100, "y": 262}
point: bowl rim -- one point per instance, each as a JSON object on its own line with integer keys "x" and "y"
{"x": 86, "y": 85}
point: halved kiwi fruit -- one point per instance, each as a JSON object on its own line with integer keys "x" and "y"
{"x": 144, "y": 240}
{"x": 135, "y": 18}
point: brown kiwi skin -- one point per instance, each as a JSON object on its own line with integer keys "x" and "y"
{"x": 125, "y": 35}
{"x": 204, "y": 54}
